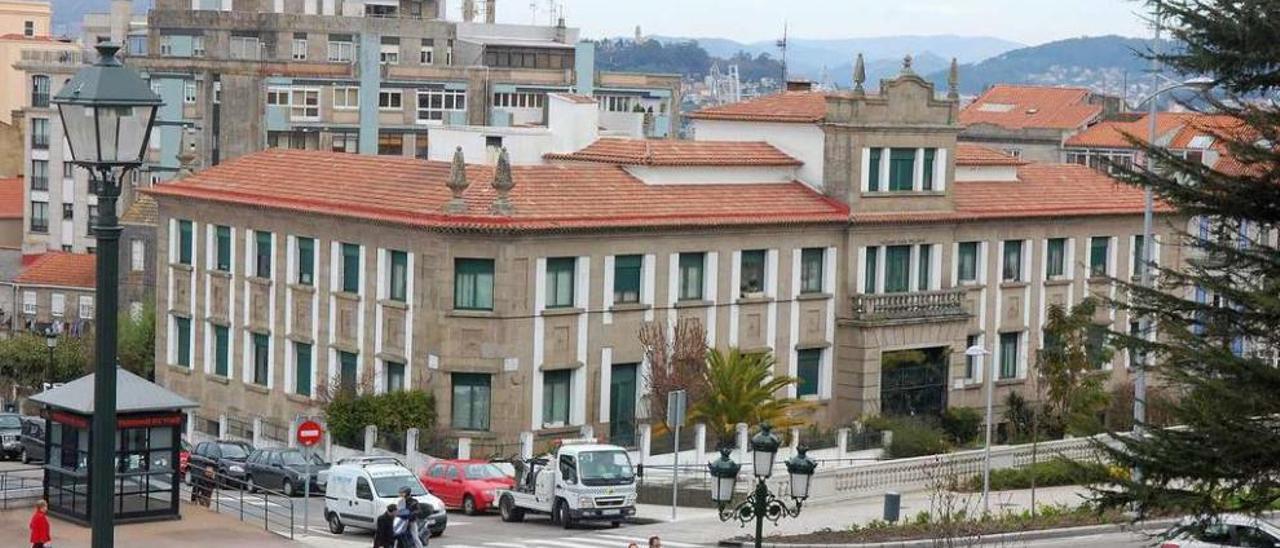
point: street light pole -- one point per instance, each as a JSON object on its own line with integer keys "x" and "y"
{"x": 1148, "y": 207}
{"x": 760, "y": 504}
{"x": 50, "y": 340}
{"x": 107, "y": 112}
{"x": 979, "y": 353}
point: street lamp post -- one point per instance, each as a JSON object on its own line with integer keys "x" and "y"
{"x": 107, "y": 112}
{"x": 51, "y": 341}
{"x": 978, "y": 353}
{"x": 760, "y": 504}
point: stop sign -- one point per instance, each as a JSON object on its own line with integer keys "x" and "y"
{"x": 309, "y": 433}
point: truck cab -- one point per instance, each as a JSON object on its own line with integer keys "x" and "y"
{"x": 580, "y": 481}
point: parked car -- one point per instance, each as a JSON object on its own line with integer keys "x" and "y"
{"x": 358, "y": 493}
{"x": 32, "y": 441}
{"x": 1226, "y": 530}
{"x": 10, "y": 435}
{"x": 471, "y": 485}
{"x": 226, "y": 456}
{"x": 283, "y": 470}
{"x": 322, "y": 479}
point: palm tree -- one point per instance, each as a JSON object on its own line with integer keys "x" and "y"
{"x": 743, "y": 389}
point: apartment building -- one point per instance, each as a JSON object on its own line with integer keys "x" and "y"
{"x": 368, "y": 77}
{"x": 847, "y": 233}
{"x": 1032, "y": 122}
{"x": 55, "y": 291}
{"x": 1192, "y": 135}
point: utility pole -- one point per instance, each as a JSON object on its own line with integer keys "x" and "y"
{"x": 782, "y": 44}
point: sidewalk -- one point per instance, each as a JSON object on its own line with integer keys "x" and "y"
{"x": 198, "y": 528}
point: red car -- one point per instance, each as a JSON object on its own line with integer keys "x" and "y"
{"x": 471, "y": 485}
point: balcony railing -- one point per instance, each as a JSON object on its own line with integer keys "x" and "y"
{"x": 943, "y": 305}
{"x": 46, "y": 57}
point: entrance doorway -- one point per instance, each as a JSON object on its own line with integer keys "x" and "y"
{"x": 622, "y": 404}
{"x": 913, "y": 382}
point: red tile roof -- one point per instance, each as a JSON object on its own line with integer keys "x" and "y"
{"x": 790, "y": 106}
{"x": 60, "y": 269}
{"x": 566, "y": 197}
{"x": 1042, "y": 190}
{"x": 968, "y": 154}
{"x": 1116, "y": 133}
{"x": 11, "y": 200}
{"x": 668, "y": 152}
{"x": 1019, "y": 107}
{"x": 1218, "y": 126}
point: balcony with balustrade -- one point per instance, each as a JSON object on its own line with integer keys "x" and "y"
{"x": 945, "y": 305}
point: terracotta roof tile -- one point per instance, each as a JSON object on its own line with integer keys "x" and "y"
{"x": 1019, "y": 107}
{"x": 564, "y": 197}
{"x": 142, "y": 212}
{"x": 968, "y": 154}
{"x": 1043, "y": 190}
{"x": 790, "y": 106}
{"x": 668, "y": 152}
{"x": 1217, "y": 126}
{"x": 11, "y": 200}
{"x": 60, "y": 269}
{"x": 1116, "y": 133}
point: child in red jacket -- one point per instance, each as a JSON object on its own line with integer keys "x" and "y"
{"x": 40, "y": 526}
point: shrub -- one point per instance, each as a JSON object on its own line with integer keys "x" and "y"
{"x": 914, "y": 439}
{"x": 961, "y": 424}
{"x": 1049, "y": 473}
{"x": 396, "y": 412}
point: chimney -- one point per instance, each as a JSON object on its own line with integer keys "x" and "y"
{"x": 503, "y": 183}
{"x": 187, "y": 155}
{"x": 799, "y": 85}
{"x": 121, "y": 15}
{"x": 457, "y": 183}
{"x": 491, "y": 11}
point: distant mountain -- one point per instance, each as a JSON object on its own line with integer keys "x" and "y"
{"x": 808, "y": 57}
{"x": 1102, "y": 63}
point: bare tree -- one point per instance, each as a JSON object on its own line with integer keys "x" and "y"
{"x": 677, "y": 361}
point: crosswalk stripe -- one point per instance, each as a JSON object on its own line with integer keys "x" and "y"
{"x": 643, "y": 541}
{"x": 564, "y": 543}
{"x": 597, "y": 540}
{"x": 504, "y": 544}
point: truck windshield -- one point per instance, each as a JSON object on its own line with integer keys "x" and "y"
{"x": 389, "y": 486}
{"x": 611, "y": 467}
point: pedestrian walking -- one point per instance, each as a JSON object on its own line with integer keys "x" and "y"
{"x": 384, "y": 533}
{"x": 40, "y": 536}
{"x": 408, "y": 529}
{"x": 202, "y": 486}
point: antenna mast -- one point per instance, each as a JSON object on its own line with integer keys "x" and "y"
{"x": 782, "y": 44}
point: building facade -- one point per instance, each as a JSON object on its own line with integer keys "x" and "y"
{"x": 847, "y": 233}
{"x": 1032, "y": 122}
{"x": 55, "y": 291}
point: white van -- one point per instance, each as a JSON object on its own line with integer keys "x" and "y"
{"x": 356, "y": 494}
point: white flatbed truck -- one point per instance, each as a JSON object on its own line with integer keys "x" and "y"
{"x": 580, "y": 481}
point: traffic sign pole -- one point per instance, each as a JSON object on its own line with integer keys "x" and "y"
{"x": 676, "y": 401}
{"x": 309, "y": 434}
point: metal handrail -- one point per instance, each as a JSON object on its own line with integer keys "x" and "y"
{"x": 15, "y": 487}
{"x": 271, "y": 500}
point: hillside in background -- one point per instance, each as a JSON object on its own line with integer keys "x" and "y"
{"x": 1103, "y": 63}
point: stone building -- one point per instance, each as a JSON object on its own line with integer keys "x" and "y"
{"x": 1031, "y": 122}
{"x": 847, "y": 233}
{"x": 55, "y": 291}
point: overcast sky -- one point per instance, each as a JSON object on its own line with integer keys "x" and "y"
{"x": 1026, "y": 21}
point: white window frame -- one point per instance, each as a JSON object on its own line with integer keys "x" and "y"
{"x": 341, "y": 51}
{"x": 392, "y": 96}
{"x": 29, "y": 303}
{"x": 389, "y": 54}
{"x": 166, "y": 46}
{"x": 197, "y": 46}
{"x": 301, "y": 110}
{"x": 427, "y": 55}
{"x": 57, "y": 304}
{"x": 189, "y": 92}
{"x": 86, "y": 307}
{"x": 346, "y": 98}
{"x": 299, "y": 49}
{"x": 280, "y": 96}
{"x": 450, "y": 100}
{"x": 247, "y": 47}
{"x": 137, "y": 255}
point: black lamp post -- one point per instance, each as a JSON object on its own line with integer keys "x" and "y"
{"x": 760, "y": 504}
{"x": 51, "y": 341}
{"x": 107, "y": 111}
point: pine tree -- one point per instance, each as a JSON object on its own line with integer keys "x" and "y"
{"x": 1216, "y": 316}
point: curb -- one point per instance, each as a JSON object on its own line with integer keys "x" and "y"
{"x": 1043, "y": 534}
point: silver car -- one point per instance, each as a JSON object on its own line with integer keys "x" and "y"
{"x": 1226, "y": 530}
{"x": 10, "y": 435}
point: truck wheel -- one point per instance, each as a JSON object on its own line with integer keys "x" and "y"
{"x": 507, "y": 508}
{"x": 560, "y": 514}
{"x": 335, "y": 524}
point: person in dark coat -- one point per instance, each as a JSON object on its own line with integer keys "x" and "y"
{"x": 384, "y": 533}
